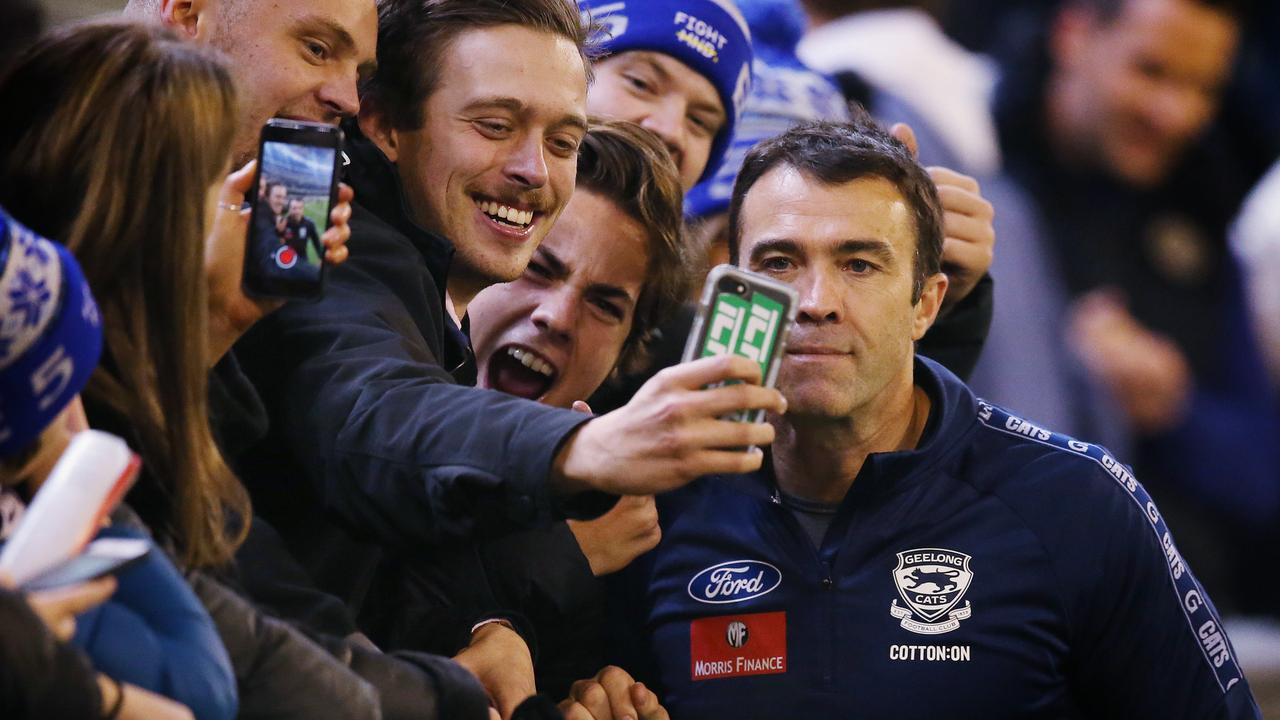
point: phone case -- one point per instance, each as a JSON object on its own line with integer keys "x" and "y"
{"x": 743, "y": 313}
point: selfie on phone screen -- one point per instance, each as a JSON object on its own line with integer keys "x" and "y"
{"x": 292, "y": 210}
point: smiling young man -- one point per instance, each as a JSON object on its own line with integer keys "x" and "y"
{"x": 905, "y": 534}
{"x": 477, "y": 110}
{"x": 612, "y": 269}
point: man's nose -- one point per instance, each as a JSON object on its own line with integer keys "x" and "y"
{"x": 556, "y": 314}
{"x": 666, "y": 120}
{"x": 339, "y": 94}
{"x": 527, "y": 162}
{"x": 819, "y": 298}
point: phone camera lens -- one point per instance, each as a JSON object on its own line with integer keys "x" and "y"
{"x": 741, "y": 289}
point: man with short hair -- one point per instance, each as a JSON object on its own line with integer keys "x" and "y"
{"x": 905, "y": 534}
{"x": 299, "y": 232}
{"x": 297, "y": 59}
{"x": 613, "y": 268}
{"x": 463, "y": 157}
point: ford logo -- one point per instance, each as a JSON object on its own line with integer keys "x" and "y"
{"x": 734, "y": 581}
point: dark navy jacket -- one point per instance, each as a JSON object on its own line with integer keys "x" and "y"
{"x": 997, "y": 571}
{"x": 374, "y": 447}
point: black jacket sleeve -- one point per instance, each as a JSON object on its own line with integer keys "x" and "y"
{"x": 360, "y": 401}
{"x": 39, "y": 676}
{"x": 957, "y": 337}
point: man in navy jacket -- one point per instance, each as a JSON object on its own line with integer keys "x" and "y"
{"x": 908, "y": 550}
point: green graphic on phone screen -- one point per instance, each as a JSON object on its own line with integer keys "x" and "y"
{"x": 746, "y": 328}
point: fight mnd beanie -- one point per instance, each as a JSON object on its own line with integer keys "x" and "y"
{"x": 50, "y": 333}
{"x": 710, "y": 36}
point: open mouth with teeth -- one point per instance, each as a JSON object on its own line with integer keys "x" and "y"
{"x": 521, "y": 372}
{"x": 505, "y": 215}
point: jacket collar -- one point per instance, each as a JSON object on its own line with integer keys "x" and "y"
{"x": 379, "y": 190}
{"x": 952, "y": 417}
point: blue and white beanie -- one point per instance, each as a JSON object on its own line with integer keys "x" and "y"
{"x": 50, "y": 333}
{"x": 710, "y": 36}
{"x": 783, "y": 94}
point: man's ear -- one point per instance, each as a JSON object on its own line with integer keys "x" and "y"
{"x": 926, "y": 308}
{"x": 190, "y": 17}
{"x": 376, "y": 126}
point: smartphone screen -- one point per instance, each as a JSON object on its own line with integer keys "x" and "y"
{"x": 744, "y": 314}
{"x": 297, "y": 166}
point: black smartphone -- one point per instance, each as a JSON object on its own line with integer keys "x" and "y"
{"x": 295, "y": 188}
{"x": 107, "y": 556}
{"x": 743, "y": 313}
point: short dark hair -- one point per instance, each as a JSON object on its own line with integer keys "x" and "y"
{"x": 630, "y": 166}
{"x": 414, "y": 34}
{"x": 837, "y": 153}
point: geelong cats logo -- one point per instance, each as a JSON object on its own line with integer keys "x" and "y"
{"x": 931, "y": 582}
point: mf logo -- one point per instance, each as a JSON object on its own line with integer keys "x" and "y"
{"x": 736, "y": 634}
{"x": 739, "y": 327}
{"x": 931, "y": 582}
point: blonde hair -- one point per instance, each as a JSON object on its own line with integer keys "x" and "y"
{"x": 112, "y": 134}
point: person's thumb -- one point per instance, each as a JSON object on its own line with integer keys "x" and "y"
{"x": 905, "y": 135}
{"x": 239, "y": 181}
{"x": 581, "y": 406}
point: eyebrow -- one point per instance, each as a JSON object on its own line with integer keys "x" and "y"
{"x": 515, "y": 106}
{"x": 611, "y": 291}
{"x": 706, "y": 107}
{"x": 646, "y": 58}
{"x": 558, "y": 269}
{"x": 876, "y": 247}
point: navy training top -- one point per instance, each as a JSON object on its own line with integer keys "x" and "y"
{"x": 998, "y": 570}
